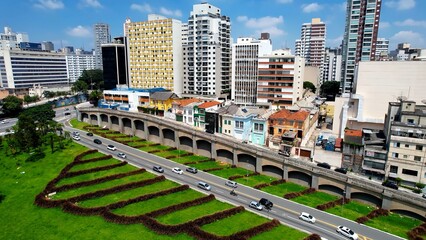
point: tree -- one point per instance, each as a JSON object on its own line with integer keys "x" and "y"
{"x": 93, "y": 79}
{"x": 48, "y": 94}
{"x": 79, "y": 86}
{"x": 330, "y": 88}
{"x": 309, "y": 85}
{"x": 27, "y": 135}
{"x": 42, "y": 115}
{"x": 95, "y": 96}
{"x": 12, "y": 106}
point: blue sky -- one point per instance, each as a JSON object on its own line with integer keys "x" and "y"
{"x": 69, "y": 22}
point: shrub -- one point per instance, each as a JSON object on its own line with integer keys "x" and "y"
{"x": 262, "y": 185}
{"x": 35, "y": 157}
{"x": 249, "y": 233}
{"x": 2, "y": 197}
{"x": 181, "y": 206}
{"x": 96, "y": 169}
{"x": 276, "y": 182}
{"x": 212, "y": 169}
{"x": 313, "y": 237}
{"x": 297, "y": 194}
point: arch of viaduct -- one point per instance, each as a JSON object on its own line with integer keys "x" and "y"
{"x": 174, "y": 134}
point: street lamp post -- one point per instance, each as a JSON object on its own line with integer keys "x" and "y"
{"x": 343, "y": 202}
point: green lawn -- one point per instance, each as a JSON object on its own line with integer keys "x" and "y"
{"x": 128, "y": 138}
{"x": 279, "y": 232}
{"x": 208, "y": 165}
{"x": 193, "y": 158}
{"x": 90, "y": 165}
{"x": 227, "y": 172}
{"x": 281, "y": 189}
{"x": 394, "y": 223}
{"x": 92, "y": 155}
{"x": 77, "y": 124}
{"x": 132, "y": 193}
{"x": 158, "y": 203}
{"x": 194, "y": 212}
{"x": 351, "y": 210}
{"x": 152, "y": 148}
{"x": 235, "y": 223}
{"x": 21, "y": 219}
{"x": 138, "y": 143}
{"x": 104, "y": 185}
{"x": 255, "y": 180}
{"x": 314, "y": 199}
{"x": 170, "y": 153}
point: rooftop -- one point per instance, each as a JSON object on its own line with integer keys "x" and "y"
{"x": 208, "y": 104}
{"x": 300, "y": 115}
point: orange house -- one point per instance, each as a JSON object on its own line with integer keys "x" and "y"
{"x": 285, "y": 120}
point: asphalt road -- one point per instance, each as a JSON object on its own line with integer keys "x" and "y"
{"x": 284, "y": 210}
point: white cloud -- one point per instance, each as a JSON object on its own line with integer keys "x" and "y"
{"x": 273, "y": 30}
{"x": 49, "y": 4}
{"x": 384, "y": 25}
{"x": 284, "y": 1}
{"x": 79, "y": 31}
{"x": 165, "y": 11}
{"x": 91, "y": 3}
{"x": 415, "y": 39}
{"x": 401, "y": 4}
{"x": 411, "y": 23}
{"x": 141, "y": 7}
{"x": 312, "y": 7}
{"x": 263, "y": 22}
{"x": 334, "y": 42}
{"x": 242, "y": 18}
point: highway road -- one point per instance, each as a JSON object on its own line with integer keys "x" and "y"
{"x": 284, "y": 210}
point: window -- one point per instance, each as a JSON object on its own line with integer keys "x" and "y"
{"x": 419, "y": 147}
{"x": 239, "y": 124}
{"x": 417, "y": 158}
{"x": 393, "y": 169}
{"x": 258, "y": 127}
{"x": 409, "y": 172}
{"x": 395, "y": 155}
{"x": 407, "y": 146}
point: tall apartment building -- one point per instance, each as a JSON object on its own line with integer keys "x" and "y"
{"x": 359, "y": 40}
{"x": 11, "y": 40}
{"x": 311, "y": 44}
{"x": 102, "y": 35}
{"x": 382, "y": 49}
{"x": 47, "y": 46}
{"x": 280, "y": 81}
{"x": 24, "y": 69}
{"x": 332, "y": 65}
{"x": 207, "y": 54}
{"x": 155, "y": 53}
{"x": 245, "y": 54}
{"x": 405, "y": 131}
{"x": 77, "y": 63}
{"x": 114, "y": 60}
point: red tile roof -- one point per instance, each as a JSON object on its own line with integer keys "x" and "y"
{"x": 208, "y": 104}
{"x": 184, "y": 102}
{"x": 354, "y": 133}
{"x": 300, "y": 115}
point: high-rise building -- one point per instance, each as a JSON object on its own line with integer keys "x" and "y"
{"x": 102, "y": 35}
{"x": 114, "y": 60}
{"x": 47, "y": 46}
{"x": 311, "y": 44}
{"x": 382, "y": 49}
{"x": 207, "y": 54}
{"x": 77, "y": 63}
{"x": 280, "y": 81}
{"x": 332, "y": 65}
{"x": 155, "y": 53}
{"x": 11, "y": 40}
{"x": 359, "y": 40}
{"x": 245, "y": 54}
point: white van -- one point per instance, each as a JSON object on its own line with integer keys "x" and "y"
{"x": 230, "y": 183}
{"x": 204, "y": 186}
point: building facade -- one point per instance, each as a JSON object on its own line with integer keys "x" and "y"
{"x": 359, "y": 40}
{"x": 332, "y": 65}
{"x": 114, "y": 60}
{"x": 102, "y": 36}
{"x": 382, "y": 49}
{"x": 280, "y": 81}
{"x": 10, "y": 40}
{"x": 311, "y": 44}
{"x": 207, "y": 53}
{"x": 77, "y": 63}
{"x": 245, "y": 54}
{"x": 155, "y": 53}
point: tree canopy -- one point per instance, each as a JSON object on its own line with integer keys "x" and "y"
{"x": 12, "y": 106}
{"x": 93, "y": 78}
{"x": 330, "y": 88}
{"x": 309, "y": 85}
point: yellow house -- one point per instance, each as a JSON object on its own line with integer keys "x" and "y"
{"x": 162, "y": 100}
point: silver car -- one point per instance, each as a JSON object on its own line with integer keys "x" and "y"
{"x": 230, "y": 183}
{"x": 307, "y": 217}
{"x": 345, "y": 231}
{"x": 256, "y": 205}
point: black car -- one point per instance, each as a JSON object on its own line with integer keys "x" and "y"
{"x": 208, "y": 130}
{"x": 265, "y": 202}
{"x": 192, "y": 170}
{"x": 390, "y": 184}
{"x": 89, "y": 134}
{"x": 158, "y": 169}
{"x": 341, "y": 170}
{"x": 97, "y": 141}
{"x": 324, "y": 165}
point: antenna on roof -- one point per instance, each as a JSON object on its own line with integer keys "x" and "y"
{"x": 401, "y": 98}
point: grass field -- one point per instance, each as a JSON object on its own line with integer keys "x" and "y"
{"x": 279, "y": 232}
{"x": 228, "y": 172}
{"x": 153, "y": 148}
{"x": 314, "y": 199}
{"x": 351, "y": 210}
{"x": 255, "y": 180}
{"x": 394, "y": 223}
{"x": 186, "y": 159}
{"x": 281, "y": 189}
{"x": 92, "y": 155}
{"x": 209, "y": 165}
{"x": 165, "y": 154}
{"x": 89, "y": 165}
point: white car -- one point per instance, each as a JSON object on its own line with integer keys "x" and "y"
{"x": 345, "y": 231}
{"x": 122, "y": 155}
{"x": 111, "y": 147}
{"x": 256, "y": 205}
{"x": 76, "y": 133}
{"x": 177, "y": 170}
{"x": 75, "y": 137}
{"x": 3, "y": 122}
{"x": 307, "y": 217}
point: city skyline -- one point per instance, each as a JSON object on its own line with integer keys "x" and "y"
{"x": 58, "y": 21}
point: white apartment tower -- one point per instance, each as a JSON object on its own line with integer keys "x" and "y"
{"x": 332, "y": 65}
{"x": 245, "y": 54}
{"x": 311, "y": 44}
{"x": 77, "y": 63}
{"x": 207, "y": 54}
{"x": 155, "y": 53}
{"x": 382, "y": 49}
{"x": 102, "y": 35}
{"x": 11, "y": 40}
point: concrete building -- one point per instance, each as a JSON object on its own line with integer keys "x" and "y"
{"x": 127, "y": 99}
{"x": 114, "y": 60}
{"x": 207, "y": 54}
{"x": 332, "y": 65}
{"x": 359, "y": 40}
{"x": 47, "y": 46}
{"x": 405, "y": 129}
{"x": 312, "y": 42}
{"x": 10, "y": 40}
{"x": 102, "y": 36}
{"x": 32, "y": 67}
{"x": 77, "y": 63}
{"x": 155, "y": 53}
{"x": 280, "y": 81}
{"x": 382, "y": 49}
{"x": 245, "y": 54}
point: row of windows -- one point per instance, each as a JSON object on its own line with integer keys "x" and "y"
{"x": 398, "y": 145}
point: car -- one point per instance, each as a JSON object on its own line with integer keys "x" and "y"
{"x": 324, "y": 165}
{"x": 256, "y": 205}
{"x": 230, "y": 183}
{"x": 75, "y": 133}
{"x": 424, "y": 195}
{"x": 307, "y": 217}
{"x": 345, "y": 231}
{"x": 89, "y": 134}
{"x": 111, "y": 147}
{"x": 77, "y": 138}
{"x": 158, "y": 169}
{"x": 177, "y": 170}
{"x": 265, "y": 202}
{"x": 122, "y": 155}
{"x": 341, "y": 170}
{"x": 390, "y": 184}
{"x": 67, "y": 113}
{"x": 192, "y": 170}
{"x": 97, "y": 141}
{"x": 3, "y": 121}
{"x": 204, "y": 186}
